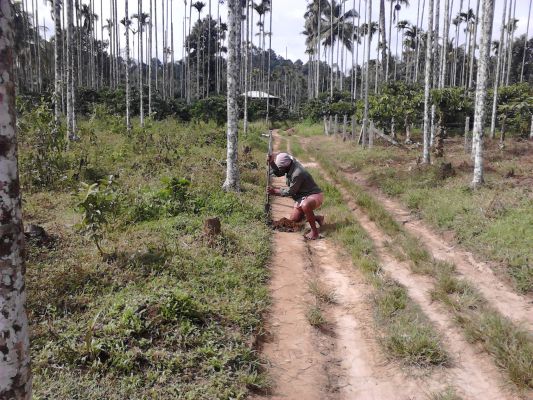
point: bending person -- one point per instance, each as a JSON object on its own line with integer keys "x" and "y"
{"x": 301, "y": 187}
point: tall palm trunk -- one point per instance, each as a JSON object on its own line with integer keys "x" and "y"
{"x": 331, "y": 83}
{"x": 38, "y": 48}
{"x": 150, "y": 61}
{"x": 209, "y": 47}
{"x": 140, "y": 40}
{"x": 127, "y": 25}
{"x": 246, "y": 52}
{"x": 164, "y": 55}
{"x": 510, "y": 50}
{"x": 198, "y": 58}
{"x": 418, "y": 40}
{"x": 232, "y": 182}
{"x": 365, "y": 134}
{"x": 481, "y": 90}
{"x": 383, "y": 33}
{"x": 389, "y": 50}
{"x": 15, "y": 360}
{"x": 172, "y": 54}
{"x": 427, "y": 84}
{"x": 319, "y": 37}
{"x": 445, "y": 37}
{"x": 269, "y": 62}
{"x": 436, "y": 49}
{"x": 473, "y": 50}
{"x": 71, "y": 73}
{"x": 57, "y": 61}
{"x": 497, "y": 75}
{"x": 525, "y": 49}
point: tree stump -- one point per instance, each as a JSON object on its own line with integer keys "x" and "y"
{"x": 212, "y": 227}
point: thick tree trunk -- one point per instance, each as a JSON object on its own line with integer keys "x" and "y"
{"x": 232, "y": 182}
{"x": 57, "y": 61}
{"x": 481, "y": 90}
{"x": 427, "y": 86}
{"x": 15, "y": 372}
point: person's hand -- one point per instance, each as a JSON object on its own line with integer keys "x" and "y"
{"x": 271, "y": 157}
{"x": 273, "y": 191}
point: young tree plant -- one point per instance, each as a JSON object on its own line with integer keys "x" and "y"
{"x": 96, "y": 202}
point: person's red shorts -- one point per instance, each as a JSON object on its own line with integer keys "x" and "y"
{"x": 315, "y": 199}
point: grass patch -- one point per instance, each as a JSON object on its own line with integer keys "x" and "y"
{"x": 173, "y": 313}
{"x": 447, "y": 394}
{"x": 510, "y": 345}
{"x": 315, "y": 316}
{"x": 322, "y": 293}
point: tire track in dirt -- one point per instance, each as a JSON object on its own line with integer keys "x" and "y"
{"x": 518, "y": 308}
{"x": 341, "y": 362}
{"x": 473, "y": 372}
{"x": 365, "y": 373}
{"x": 292, "y": 346}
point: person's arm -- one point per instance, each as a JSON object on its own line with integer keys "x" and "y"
{"x": 274, "y": 170}
{"x": 296, "y": 184}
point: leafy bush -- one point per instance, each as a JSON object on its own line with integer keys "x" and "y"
{"x": 44, "y": 161}
{"x": 210, "y": 109}
{"x": 515, "y": 107}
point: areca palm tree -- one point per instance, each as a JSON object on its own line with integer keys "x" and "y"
{"x": 199, "y": 7}
{"x": 57, "y": 59}
{"x": 127, "y": 22}
{"x": 400, "y": 26}
{"x": 337, "y": 20}
{"x": 481, "y": 91}
{"x": 142, "y": 22}
{"x": 15, "y": 360}
{"x": 497, "y": 76}
{"x": 397, "y": 6}
{"x": 232, "y": 182}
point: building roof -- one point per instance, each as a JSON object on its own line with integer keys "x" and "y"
{"x": 255, "y": 94}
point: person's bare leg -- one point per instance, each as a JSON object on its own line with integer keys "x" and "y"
{"x": 307, "y": 208}
{"x": 297, "y": 215}
{"x": 319, "y": 219}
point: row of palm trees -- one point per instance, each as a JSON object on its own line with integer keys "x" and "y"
{"x": 334, "y": 27}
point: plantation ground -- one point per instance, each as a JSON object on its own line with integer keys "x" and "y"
{"x": 374, "y": 310}
{"x": 170, "y": 313}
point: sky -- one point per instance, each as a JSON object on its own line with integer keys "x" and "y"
{"x": 288, "y": 21}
